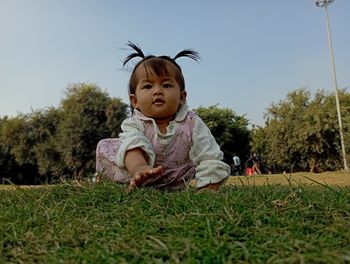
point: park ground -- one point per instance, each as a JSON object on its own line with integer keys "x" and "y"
{"x": 340, "y": 178}
{"x": 255, "y": 219}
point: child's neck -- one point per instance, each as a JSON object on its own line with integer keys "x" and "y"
{"x": 162, "y": 128}
{"x": 163, "y": 124}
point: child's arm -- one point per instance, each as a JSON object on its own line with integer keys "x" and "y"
{"x": 135, "y": 154}
{"x": 211, "y": 171}
{"x": 135, "y": 160}
{"x": 138, "y": 168}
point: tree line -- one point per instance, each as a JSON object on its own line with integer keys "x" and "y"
{"x": 302, "y": 132}
{"x": 54, "y": 143}
{"x": 47, "y": 145}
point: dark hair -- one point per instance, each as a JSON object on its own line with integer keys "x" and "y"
{"x": 157, "y": 64}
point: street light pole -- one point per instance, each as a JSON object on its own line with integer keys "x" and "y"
{"x": 325, "y": 3}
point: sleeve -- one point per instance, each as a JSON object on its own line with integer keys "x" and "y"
{"x": 206, "y": 155}
{"x": 133, "y": 137}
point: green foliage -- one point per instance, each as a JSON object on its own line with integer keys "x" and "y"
{"x": 105, "y": 224}
{"x": 88, "y": 116}
{"x": 116, "y": 112}
{"x": 59, "y": 142}
{"x": 17, "y": 138}
{"x": 303, "y": 132}
{"x": 45, "y": 132}
{"x": 10, "y": 170}
{"x": 229, "y": 130}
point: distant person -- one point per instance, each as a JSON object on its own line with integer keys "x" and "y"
{"x": 249, "y": 164}
{"x": 256, "y": 164}
{"x": 163, "y": 145}
{"x": 236, "y": 165}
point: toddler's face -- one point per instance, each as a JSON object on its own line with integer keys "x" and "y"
{"x": 158, "y": 97}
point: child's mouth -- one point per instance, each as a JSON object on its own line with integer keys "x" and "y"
{"x": 158, "y": 102}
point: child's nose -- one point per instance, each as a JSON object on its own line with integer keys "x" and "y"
{"x": 157, "y": 89}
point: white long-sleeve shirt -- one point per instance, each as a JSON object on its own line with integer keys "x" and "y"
{"x": 204, "y": 152}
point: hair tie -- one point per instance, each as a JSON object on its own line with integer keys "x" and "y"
{"x": 188, "y": 53}
{"x": 138, "y": 52}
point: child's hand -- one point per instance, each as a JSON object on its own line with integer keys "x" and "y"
{"x": 143, "y": 175}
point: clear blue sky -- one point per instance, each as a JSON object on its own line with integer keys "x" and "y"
{"x": 253, "y": 52}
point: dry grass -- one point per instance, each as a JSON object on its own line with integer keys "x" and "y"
{"x": 16, "y": 187}
{"x": 340, "y": 178}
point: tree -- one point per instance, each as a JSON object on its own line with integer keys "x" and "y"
{"x": 10, "y": 170}
{"x": 89, "y": 115}
{"x": 16, "y": 142}
{"x": 301, "y": 132}
{"x": 51, "y": 143}
{"x": 229, "y": 130}
{"x": 116, "y": 112}
{"x": 44, "y": 132}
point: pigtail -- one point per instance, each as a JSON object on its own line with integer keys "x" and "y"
{"x": 138, "y": 52}
{"x": 188, "y": 53}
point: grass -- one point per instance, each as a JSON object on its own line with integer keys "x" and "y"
{"x": 339, "y": 178}
{"x": 243, "y": 223}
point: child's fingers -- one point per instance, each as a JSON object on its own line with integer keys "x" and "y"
{"x": 138, "y": 180}
{"x": 144, "y": 177}
{"x": 157, "y": 170}
{"x": 132, "y": 185}
{"x": 149, "y": 175}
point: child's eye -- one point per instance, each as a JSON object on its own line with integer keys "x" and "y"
{"x": 147, "y": 86}
{"x": 167, "y": 85}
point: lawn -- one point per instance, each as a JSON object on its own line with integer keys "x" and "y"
{"x": 246, "y": 222}
{"x": 339, "y": 178}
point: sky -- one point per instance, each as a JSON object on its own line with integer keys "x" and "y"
{"x": 253, "y": 52}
